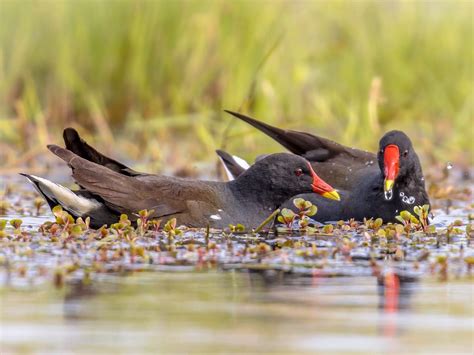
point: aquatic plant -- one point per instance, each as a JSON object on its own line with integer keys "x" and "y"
{"x": 16, "y": 224}
{"x": 142, "y": 221}
{"x": 238, "y": 228}
{"x": 3, "y": 224}
{"x": 287, "y": 217}
{"x": 4, "y": 207}
{"x": 306, "y": 209}
{"x": 422, "y": 213}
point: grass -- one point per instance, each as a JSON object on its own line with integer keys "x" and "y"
{"x": 158, "y": 74}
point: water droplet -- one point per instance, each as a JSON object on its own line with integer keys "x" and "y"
{"x": 388, "y": 195}
{"x": 449, "y": 165}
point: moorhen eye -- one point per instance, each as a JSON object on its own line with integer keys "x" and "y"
{"x": 298, "y": 172}
{"x": 405, "y": 153}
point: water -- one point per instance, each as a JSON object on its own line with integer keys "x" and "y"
{"x": 237, "y": 304}
{"x": 216, "y": 312}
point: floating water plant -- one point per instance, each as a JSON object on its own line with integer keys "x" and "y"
{"x": 287, "y": 217}
{"x": 238, "y": 228}
{"x": 3, "y": 224}
{"x": 16, "y": 224}
{"x": 422, "y": 213}
{"x": 142, "y": 221}
{"x": 4, "y": 207}
{"x": 306, "y": 209}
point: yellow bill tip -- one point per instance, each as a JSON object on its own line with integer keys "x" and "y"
{"x": 389, "y": 185}
{"x": 332, "y": 195}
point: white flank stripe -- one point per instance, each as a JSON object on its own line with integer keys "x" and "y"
{"x": 68, "y": 199}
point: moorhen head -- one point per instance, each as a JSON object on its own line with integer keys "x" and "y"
{"x": 398, "y": 161}
{"x": 277, "y": 177}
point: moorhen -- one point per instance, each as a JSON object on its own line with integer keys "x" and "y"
{"x": 371, "y": 185}
{"x": 109, "y": 188}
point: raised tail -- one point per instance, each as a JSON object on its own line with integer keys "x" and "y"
{"x": 312, "y": 147}
{"x": 79, "y": 146}
{"x": 233, "y": 165}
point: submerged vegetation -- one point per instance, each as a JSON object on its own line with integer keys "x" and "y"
{"x": 157, "y": 72}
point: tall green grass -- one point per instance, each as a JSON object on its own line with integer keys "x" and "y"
{"x": 159, "y": 73}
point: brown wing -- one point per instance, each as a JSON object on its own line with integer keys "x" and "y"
{"x": 79, "y": 146}
{"x": 312, "y": 147}
{"x": 126, "y": 194}
{"x": 337, "y": 164}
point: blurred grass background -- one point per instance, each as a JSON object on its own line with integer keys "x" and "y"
{"x": 149, "y": 79}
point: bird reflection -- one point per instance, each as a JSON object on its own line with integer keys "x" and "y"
{"x": 74, "y": 297}
{"x": 395, "y": 289}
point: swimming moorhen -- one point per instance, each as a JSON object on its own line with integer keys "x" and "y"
{"x": 371, "y": 185}
{"x": 109, "y": 188}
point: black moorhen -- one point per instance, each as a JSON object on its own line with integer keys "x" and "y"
{"x": 368, "y": 190}
{"x": 109, "y": 188}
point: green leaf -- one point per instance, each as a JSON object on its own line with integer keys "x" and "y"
{"x": 76, "y": 230}
{"x": 399, "y": 218}
{"x": 303, "y": 222}
{"x": 312, "y": 210}
{"x": 57, "y": 210}
{"x": 328, "y": 228}
{"x": 405, "y": 215}
{"x": 287, "y": 213}
{"x": 170, "y": 225}
{"x": 377, "y": 223}
{"x": 16, "y": 223}
{"x": 417, "y": 210}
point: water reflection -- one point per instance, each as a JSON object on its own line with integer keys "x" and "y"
{"x": 77, "y": 293}
{"x": 239, "y": 311}
{"x": 395, "y": 290}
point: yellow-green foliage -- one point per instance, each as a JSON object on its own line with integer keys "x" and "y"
{"x": 299, "y": 64}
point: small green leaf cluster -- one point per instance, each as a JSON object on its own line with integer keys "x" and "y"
{"x": 171, "y": 230}
{"x": 64, "y": 225}
{"x": 239, "y": 228}
{"x": 422, "y": 213}
{"x": 305, "y": 210}
{"x": 142, "y": 222}
{"x": 3, "y": 224}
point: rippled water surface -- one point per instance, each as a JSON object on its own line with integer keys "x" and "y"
{"x": 277, "y": 304}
